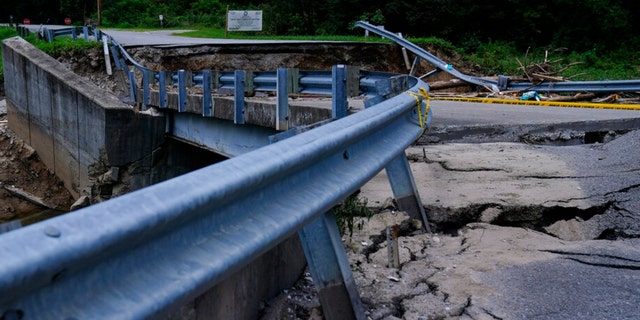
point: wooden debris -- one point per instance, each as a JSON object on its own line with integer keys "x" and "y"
{"x": 608, "y": 99}
{"x": 576, "y": 97}
{"x": 27, "y": 196}
{"x": 453, "y": 83}
{"x": 546, "y": 70}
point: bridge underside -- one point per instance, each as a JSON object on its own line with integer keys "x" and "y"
{"x": 217, "y": 135}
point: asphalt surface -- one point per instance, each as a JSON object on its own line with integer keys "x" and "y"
{"x": 481, "y": 122}
{"x": 567, "y": 289}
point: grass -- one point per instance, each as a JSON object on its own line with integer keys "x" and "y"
{"x": 502, "y": 58}
{"x": 62, "y": 44}
{"x": 5, "y": 33}
{"x": 65, "y": 44}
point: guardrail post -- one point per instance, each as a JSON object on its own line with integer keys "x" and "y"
{"x": 162, "y": 89}
{"x": 353, "y": 81}
{"x": 85, "y": 31}
{"x": 74, "y": 34}
{"x": 132, "y": 87}
{"x": 48, "y": 34}
{"x": 117, "y": 58}
{"x": 147, "y": 75}
{"x": 330, "y": 269}
{"x": 182, "y": 91}
{"x": 282, "y": 103}
{"x": 249, "y": 87}
{"x": 238, "y": 97}
{"x": 405, "y": 190}
{"x": 414, "y": 65}
{"x": 339, "y": 102}
{"x": 207, "y": 102}
{"x": 294, "y": 80}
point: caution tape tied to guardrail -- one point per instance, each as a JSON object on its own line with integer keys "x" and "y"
{"x": 546, "y": 103}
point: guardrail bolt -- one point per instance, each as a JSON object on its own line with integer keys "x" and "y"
{"x": 52, "y": 232}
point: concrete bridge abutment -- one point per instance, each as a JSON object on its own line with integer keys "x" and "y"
{"x": 101, "y": 147}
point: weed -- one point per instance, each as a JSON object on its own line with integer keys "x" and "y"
{"x": 5, "y": 32}
{"x": 349, "y": 210}
{"x": 65, "y": 45}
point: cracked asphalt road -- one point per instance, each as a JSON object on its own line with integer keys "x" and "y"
{"x": 582, "y": 262}
{"x": 522, "y": 232}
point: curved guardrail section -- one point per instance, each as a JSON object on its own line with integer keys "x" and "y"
{"x": 504, "y": 83}
{"x": 165, "y": 245}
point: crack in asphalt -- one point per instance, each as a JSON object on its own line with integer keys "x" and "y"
{"x": 580, "y": 258}
{"x": 623, "y": 190}
{"x": 489, "y": 313}
{"x": 608, "y": 256}
{"x": 606, "y": 265}
{"x": 445, "y": 166}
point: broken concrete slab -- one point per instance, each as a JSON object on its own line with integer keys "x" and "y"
{"x": 526, "y": 185}
{"x": 493, "y": 272}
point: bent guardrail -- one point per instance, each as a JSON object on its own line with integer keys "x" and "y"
{"x": 504, "y": 83}
{"x": 164, "y": 245}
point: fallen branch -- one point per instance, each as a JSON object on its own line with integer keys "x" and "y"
{"x": 577, "y": 97}
{"x": 454, "y": 83}
{"x": 27, "y": 196}
{"x": 548, "y": 78}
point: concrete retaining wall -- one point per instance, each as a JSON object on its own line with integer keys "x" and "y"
{"x": 82, "y": 134}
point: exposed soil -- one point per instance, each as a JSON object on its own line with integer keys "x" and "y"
{"x": 24, "y": 180}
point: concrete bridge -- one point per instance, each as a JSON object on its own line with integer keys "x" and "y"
{"x": 99, "y": 145}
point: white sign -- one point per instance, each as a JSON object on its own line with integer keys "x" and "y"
{"x": 244, "y": 20}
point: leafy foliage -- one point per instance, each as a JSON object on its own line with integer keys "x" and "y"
{"x": 5, "y": 33}
{"x": 492, "y": 33}
{"x": 579, "y": 25}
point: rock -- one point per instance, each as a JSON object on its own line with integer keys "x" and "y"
{"x": 82, "y": 202}
{"x": 490, "y": 214}
{"x": 572, "y": 230}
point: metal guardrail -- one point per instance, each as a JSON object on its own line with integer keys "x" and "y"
{"x": 49, "y": 35}
{"x": 375, "y": 86}
{"x": 166, "y": 244}
{"x": 503, "y": 83}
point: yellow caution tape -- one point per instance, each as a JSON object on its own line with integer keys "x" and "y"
{"x": 422, "y": 93}
{"x": 546, "y": 103}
